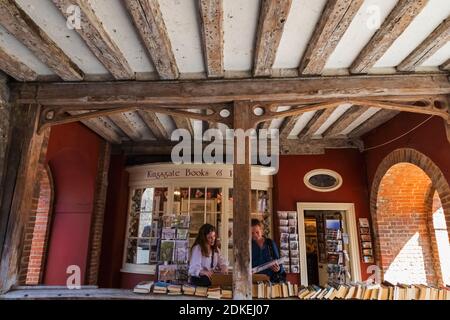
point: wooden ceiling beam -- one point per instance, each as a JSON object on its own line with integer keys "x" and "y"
{"x": 15, "y": 68}
{"x": 149, "y": 21}
{"x": 21, "y": 26}
{"x": 436, "y": 40}
{"x": 287, "y": 126}
{"x": 315, "y": 123}
{"x": 154, "y": 124}
{"x": 98, "y": 40}
{"x": 393, "y": 26}
{"x": 124, "y": 124}
{"x": 344, "y": 121}
{"x": 183, "y": 123}
{"x": 211, "y": 18}
{"x": 286, "y": 91}
{"x": 317, "y": 146}
{"x": 335, "y": 20}
{"x": 102, "y": 127}
{"x": 445, "y": 66}
{"x": 272, "y": 18}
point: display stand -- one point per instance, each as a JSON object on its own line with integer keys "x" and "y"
{"x": 174, "y": 249}
{"x": 289, "y": 246}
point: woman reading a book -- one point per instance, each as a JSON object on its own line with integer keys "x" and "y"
{"x": 265, "y": 250}
{"x": 205, "y": 257}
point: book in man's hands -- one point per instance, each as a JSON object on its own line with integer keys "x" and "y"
{"x": 268, "y": 265}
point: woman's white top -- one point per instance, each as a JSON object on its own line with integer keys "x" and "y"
{"x": 199, "y": 262}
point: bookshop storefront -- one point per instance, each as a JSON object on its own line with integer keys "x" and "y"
{"x": 168, "y": 204}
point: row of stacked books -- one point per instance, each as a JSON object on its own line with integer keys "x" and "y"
{"x": 374, "y": 292}
{"x": 269, "y": 290}
{"x": 171, "y": 289}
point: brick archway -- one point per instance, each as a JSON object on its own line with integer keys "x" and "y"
{"x": 37, "y": 230}
{"x": 414, "y": 157}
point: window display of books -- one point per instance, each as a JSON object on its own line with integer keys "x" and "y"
{"x": 289, "y": 247}
{"x": 174, "y": 249}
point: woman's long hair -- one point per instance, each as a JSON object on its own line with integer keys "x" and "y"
{"x": 201, "y": 239}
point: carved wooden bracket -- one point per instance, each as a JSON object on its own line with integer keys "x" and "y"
{"x": 435, "y": 105}
{"x": 260, "y": 112}
{"x": 50, "y": 116}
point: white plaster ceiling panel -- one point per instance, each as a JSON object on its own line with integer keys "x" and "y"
{"x": 439, "y": 57}
{"x": 423, "y": 25}
{"x": 359, "y": 32}
{"x": 358, "y": 121}
{"x": 240, "y": 24}
{"x": 301, "y": 123}
{"x": 16, "y": 49}
{"x": 182, "y": 21}
{"x": 167, "y": 122}
{"x": 48, "y": 17}
{"x": 298, "y": 29}
{"x": 276, "y": 123}
{"x": 334, "y": 116}
{"x": 114, "y": 17}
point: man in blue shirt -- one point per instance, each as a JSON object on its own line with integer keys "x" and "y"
{"x": 265, "y": 250}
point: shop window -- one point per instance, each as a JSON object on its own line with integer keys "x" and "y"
{"x": 323, "y": 180}
{"x": 147, "y": 205}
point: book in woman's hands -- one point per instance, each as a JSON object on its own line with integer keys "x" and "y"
{"x": 268, "y": 265}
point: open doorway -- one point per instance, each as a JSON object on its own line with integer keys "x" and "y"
{"x": 328, "y": 244}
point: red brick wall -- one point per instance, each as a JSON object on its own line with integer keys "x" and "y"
{"x": 402, "y": 222}
{"x": 40, "y": 232}
{"x": 36, "y": 230}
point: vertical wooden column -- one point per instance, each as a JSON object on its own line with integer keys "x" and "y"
{"x": 24, "y": 150}
{"x": 4, "y": 123}
{"x": 242, "y": 276}
{"x": 101, "y": 188}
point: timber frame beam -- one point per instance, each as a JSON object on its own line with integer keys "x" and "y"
{"x": 424, "y": 93}
{"x": 99, "y": 95}
{"x": 261, "y": 112}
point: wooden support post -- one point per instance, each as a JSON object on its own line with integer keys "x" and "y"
{"x": 101, "y": 188}
{"x": 4, "y": 123}
{"x": 242, "y": 275}
{"x": 24, "y": 150}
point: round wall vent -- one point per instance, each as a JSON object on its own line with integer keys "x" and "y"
{"x": 323, "y": 180}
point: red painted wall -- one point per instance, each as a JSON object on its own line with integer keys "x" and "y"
{"x": 114, "y": 225}
{"x": 429, "y": 139}
{"x": 290, "y": 189}
{"x": 73, "y": 154}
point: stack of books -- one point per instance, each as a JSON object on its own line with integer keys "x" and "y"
{"x": 188, "y": 289}
{"x": 143, "y": 287}
{"x": 227, "y": 293}
{"x": 174, "y": 289}
{"x": 160, "y": 287}
{"x": 201, "y": 291}
{"x": 214, "y": 293}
